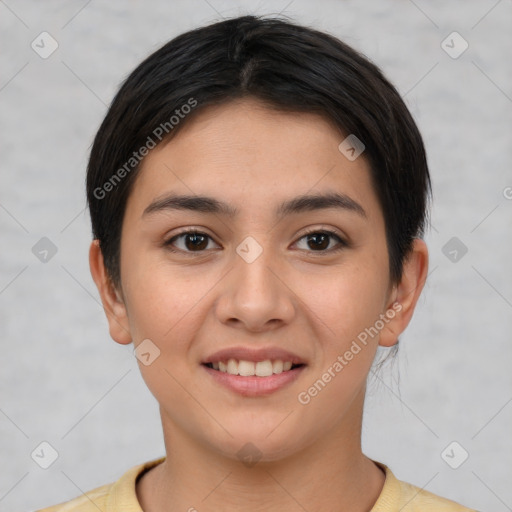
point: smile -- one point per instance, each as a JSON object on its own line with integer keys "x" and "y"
{"x": 247, "y": 383}
{"x": 250, "y": 368}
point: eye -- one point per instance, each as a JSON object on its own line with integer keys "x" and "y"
{"x": 194, "y": 241}
{"x": 319, "y": 240}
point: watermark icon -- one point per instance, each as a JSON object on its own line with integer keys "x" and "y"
{"x": 304, "y": 397}
{"x": 44, "y": 455}
{"x": 44, "y": 45}
{"x": 454, "y": 45}
{"x": 249, "y": 454}
{"x": 454, "y": 249}
{"x": 146, "y": 352}
{"x": 249, "y": 249}
{"x": 351, "y": 147}
{"x": 454, "y": 455}
{"x": 44, "y": 250}
{"x": 507, "y": 192}
{"x": 158, "y": 133}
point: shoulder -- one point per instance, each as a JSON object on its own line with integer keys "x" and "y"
{"x": 397, "y": 495}
{"x": 415, "y": 499}
{"x": 118, "y": 496}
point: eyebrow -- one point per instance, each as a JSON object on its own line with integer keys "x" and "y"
{"x": 299, "y": 204}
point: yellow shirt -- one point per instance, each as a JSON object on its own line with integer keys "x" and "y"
{"x": 120, "y": 496}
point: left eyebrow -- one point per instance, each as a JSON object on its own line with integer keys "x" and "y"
{"x": 299, "y": 204}
{"x": 308, "y": 203}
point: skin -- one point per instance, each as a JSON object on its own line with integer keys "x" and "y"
{"x": 313, "y": 302}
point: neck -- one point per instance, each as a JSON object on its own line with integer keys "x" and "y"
{"x": 331, "y": 473}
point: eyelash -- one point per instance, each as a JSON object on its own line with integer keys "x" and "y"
{"x": 342, "y": 243}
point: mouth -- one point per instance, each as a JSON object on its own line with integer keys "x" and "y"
{"x": 260, "y": 369}
{"x": 253, "y": 378}
{"x": 251, "y": 371}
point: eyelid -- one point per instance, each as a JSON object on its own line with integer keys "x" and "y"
{"x": 190, "y": 229}
{"x": 321, "y": 229}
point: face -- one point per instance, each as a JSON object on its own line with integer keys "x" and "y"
{"x": 259, "y": 282}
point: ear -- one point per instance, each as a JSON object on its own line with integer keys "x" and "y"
{"x": 405, "y": 294}
{"x": 111, "y": 298}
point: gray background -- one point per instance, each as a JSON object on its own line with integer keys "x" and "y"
{"x": 64, "y": 381}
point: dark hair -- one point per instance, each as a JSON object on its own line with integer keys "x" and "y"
{"x": 289, "y": 67}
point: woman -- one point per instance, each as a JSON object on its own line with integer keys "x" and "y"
{"x": 258, "y": 193}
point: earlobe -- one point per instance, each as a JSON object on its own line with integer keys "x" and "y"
{"x": 389, "y": 335}
{"x": 111, "y": 298}
{"x": 406, "y": 293}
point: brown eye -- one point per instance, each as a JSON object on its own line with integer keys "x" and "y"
{"x": 192, "y": 241}
{"x": 195, "y": 241}
{"x": 319, "y": 241}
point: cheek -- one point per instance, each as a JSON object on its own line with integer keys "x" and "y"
{"x": 158, "y": 302}
{"x": 347, "y": 301}
{"x": 347, "y": 306}
{"x": 164, "y": 309}
{"x": 165, "y": 315}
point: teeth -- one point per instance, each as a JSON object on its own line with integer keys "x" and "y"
{"x": 277, "y": 366}
{"x": 250, "y": 368}
{"x": 245, "y": 368}
{"x": 264, "y": 368}
{"x": 232, "y": 367}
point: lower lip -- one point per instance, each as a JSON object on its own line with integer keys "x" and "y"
{"x": 255, "y": 386}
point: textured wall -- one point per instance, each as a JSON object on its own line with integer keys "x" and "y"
{"x": 64, "y": 381}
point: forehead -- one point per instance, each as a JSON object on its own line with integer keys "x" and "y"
{"x": 248, "y": 155}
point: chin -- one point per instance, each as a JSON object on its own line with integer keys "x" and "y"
{"x": 251, "y": 444}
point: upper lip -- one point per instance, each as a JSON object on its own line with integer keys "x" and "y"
{"x": 253, "y": 354}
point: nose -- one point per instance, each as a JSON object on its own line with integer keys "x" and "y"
{"x": 256, "y": 294}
